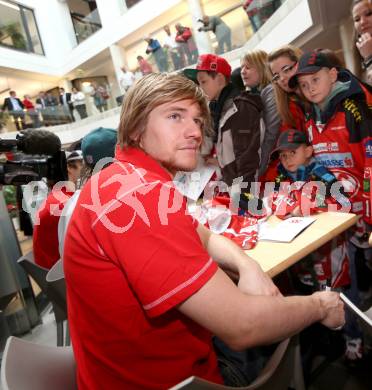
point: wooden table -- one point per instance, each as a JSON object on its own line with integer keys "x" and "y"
{"x": 275, "y": 257}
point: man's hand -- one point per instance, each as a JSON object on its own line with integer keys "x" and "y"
{"x": 332, "y": 308}
{"x": 233, "y": 260}
{"x": 253, "y": 281}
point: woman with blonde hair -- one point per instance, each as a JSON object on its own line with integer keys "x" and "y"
{"x": 256, "y": 78}
{"x": 362, "y": 39}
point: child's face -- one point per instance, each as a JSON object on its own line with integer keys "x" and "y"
{"x": 292, "y": 159}
{"x": 316, "y": 87}
{"x": 211, "y": 86}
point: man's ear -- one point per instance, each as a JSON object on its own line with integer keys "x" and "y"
{"x": 333, "y": 73}
{"x": 136, "y": 138}
{"x": 309, "y": 151}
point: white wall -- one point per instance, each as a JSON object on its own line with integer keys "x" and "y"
{"x": 58, "y": 38}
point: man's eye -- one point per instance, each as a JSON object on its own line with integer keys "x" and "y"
{"x": 175, "y": 116}
{"x": 292, "y": 152}
{"x": 199, "y": 122}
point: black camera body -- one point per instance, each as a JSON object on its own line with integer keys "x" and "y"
{"x": 36, "y": 154}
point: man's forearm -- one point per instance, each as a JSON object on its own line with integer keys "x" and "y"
{"x": 225, "y": 252}
{"x": 244, "y": 321}
{"x": 268, "y": 328}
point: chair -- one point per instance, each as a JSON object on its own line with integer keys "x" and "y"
{"x": 29, "y": 366}
{"x": 39, "y": 274}
{"x": 56, "y": 290}
{"x": 283, "y": 370}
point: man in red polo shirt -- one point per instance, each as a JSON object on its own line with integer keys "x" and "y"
{"x": 145, "y": 291}
{"x": 45, "y": 235}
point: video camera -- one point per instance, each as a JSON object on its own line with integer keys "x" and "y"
{"x": 36, "y": 154}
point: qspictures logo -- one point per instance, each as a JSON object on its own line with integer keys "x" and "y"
{"x": 129, "y": 188}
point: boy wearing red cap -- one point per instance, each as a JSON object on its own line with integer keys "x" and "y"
{"x": 339, "y": 126}
{"x": 236, "y": 119}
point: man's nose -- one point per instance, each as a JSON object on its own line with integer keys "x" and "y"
{"x": 193, "y": 129}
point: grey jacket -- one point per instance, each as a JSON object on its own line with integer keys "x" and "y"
{"x": 218, "y": 26}
{"x": 272, "y": 123}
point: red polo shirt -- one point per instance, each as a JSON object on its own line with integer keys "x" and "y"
{"x": 45, "y": 235}
{"x": 128, "y": 264}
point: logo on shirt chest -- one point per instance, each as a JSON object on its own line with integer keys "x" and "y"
{"x": 369, "y": 149}
{"x": 326, "y": 147}
{"x": 349, "y": 182}
{"x": 336, "y": 160}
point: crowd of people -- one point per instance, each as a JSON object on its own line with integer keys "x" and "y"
{"x": 179, "y": 49}
{"x": 50, "y": 110}
{"x": 130, "y": 246}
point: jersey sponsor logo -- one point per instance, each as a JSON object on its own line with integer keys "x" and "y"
{"x": 350, "y": 106}
{"x": 369, "y": 148}
{"x": 348, "y": 181}
{"x": 326, "y": 147}
{"x": 336, "y": 160}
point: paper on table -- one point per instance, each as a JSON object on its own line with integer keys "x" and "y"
{"x": 356, "y": 310}
{"x": 284, "y": 231}
{"x": 192, "y": 184}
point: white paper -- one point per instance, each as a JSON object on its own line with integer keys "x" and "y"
{"x": 363, "y": 315}
{"x": 192, "y": 184}
{"x": 284, "y": 231}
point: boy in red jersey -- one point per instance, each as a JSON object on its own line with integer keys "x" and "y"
{"x": 339, "y": 127}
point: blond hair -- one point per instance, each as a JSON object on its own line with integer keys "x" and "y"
{"x": 258, "y": 59}
{"x": 150, "y": 92}
{"x": 282, "y": 97}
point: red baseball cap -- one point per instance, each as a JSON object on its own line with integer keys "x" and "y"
{"x": 209, "y": 63}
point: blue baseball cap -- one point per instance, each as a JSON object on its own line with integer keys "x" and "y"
{"x": 97, "y": 144}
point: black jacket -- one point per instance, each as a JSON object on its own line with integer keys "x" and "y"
{"x": 8, "y": 105}
{"x": 239, "y": 138}
{"x": 68, "y": 100}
